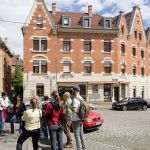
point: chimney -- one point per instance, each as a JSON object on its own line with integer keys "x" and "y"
{"x": 53, "y": 8}
{"x": 90, "y": 10}
{"x": 121, "y": 12}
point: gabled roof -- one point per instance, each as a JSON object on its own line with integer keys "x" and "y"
{"x": 33, "y": 10}
{"x": 147, "y": 32}
{"x": 17, "y": 61}
{"x": 4, "y": 47}
{"x": 128, "y": 17}
{"x": 115, "y": 21}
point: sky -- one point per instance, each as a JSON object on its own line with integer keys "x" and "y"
{"x": 18, "y": 10}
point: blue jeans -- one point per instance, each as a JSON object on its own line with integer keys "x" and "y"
{"x": 45, "y": 128}
{"x": 13, "y": 120}
{"x": 79, "y": 135}
{"x": 2, "y": 121}
{"x": 56, "y": 136}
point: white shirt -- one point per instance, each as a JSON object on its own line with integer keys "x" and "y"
{"x": 32, "y": 119}
{"x": 76, "y": 104}
{"x": 4, "y": 103}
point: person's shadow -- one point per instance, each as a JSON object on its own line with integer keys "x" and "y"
{"x": 46, "y": 144}
{"x": 44, "y": 148}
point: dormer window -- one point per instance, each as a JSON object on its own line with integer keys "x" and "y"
{"x": 66, "y": 21}
{"x": 39, "y": 23}
{"x": 107, "y": 23}
{"x": 86, "y": 22}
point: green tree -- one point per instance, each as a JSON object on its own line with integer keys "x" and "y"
{"x": 17, "y": 81}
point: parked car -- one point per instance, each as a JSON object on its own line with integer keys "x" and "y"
{"x": 93, "y": 121}
{"x": 148, "y": 102}
{"x": 131, "y": 103}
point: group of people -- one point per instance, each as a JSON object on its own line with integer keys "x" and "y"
{"x": 13, "y": 111}
{"x": 54, "y": 117}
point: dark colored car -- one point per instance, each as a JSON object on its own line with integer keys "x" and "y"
{"x": 131, "y": 103}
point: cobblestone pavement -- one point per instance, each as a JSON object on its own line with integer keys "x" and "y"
{"x": 121, "y": 131}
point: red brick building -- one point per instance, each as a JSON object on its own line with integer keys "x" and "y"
{"x": 5, "y": 68}
{"x": 107, "y": 57}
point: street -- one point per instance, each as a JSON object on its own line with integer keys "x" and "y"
{"x": 121, "y": 131}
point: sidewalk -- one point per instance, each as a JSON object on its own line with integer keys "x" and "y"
{"x": 8, "y": 141}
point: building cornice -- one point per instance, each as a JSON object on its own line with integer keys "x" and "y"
{"x": 81, "y": 30}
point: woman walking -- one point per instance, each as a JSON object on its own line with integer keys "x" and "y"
{"x": 4, "y": 104}
{"x": 31, "y": 118}
{"x": 18, "y": 109}
{"x": 53, "y": 113}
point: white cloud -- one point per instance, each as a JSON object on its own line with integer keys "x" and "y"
{"x": 18, "y": 10}
{"x": 84, "y": 5}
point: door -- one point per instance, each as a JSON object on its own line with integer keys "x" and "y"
{"x": 83, "y": 91}
{"x": 132, "y": 103}
{"x": 116, "y": 93}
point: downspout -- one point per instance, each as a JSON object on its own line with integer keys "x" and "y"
{"x": 56, "y": 48}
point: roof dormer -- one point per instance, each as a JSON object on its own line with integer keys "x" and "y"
{"x": 107, "y": 23}
{"x": 86, "y": 22}
{"x": 66, "y": 21}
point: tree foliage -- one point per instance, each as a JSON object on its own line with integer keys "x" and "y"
{"x": 17, "y": 78}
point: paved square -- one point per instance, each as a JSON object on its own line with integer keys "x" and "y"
{"x": 121, "y": 131}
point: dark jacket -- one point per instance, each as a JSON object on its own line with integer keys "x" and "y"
{"x": 21, "y": 109}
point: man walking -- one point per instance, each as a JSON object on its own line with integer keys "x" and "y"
{"x": 67, "y": 114}
{"x": 77, "y": 123}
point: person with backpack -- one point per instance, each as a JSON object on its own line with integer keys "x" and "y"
{"x": 44, "y": 120}
{"x": 31, "y": 117}
{"x": 53, "y": 113}
{"x": 67, "y": 114}
{"x": 77, "y": 118}
{"x": 18, "y": 109}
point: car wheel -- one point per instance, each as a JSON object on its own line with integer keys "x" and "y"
{"x": 144, "y": 107}
{"x": 124, "y": 108}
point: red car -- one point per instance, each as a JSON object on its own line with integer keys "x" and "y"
{"x": 93, "y": 121}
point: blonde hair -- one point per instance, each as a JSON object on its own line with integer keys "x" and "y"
{"x": 33, "y": 103}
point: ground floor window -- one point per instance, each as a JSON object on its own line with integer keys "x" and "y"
{"x": 123, "y": 91}
{"x": 40, "y": 90}
{"x": 107, "y": 91}
{"x": 95, "y": 88}
{"x": 134, "y": 91}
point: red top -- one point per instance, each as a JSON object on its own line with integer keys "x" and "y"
{"x": 55, "y": 115}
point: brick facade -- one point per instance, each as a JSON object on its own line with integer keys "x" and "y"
{"x": 5, "y": 71}
{"x": 117, "y": 84}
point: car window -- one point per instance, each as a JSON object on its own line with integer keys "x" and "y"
{"x": 140, "y": 100}
{"x": 132, "y": 100}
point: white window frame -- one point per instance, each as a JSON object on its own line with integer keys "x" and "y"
{"x": 40, "y": 44}
{"x": 67, "y": 64}
{"x": 40, "y": 65}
